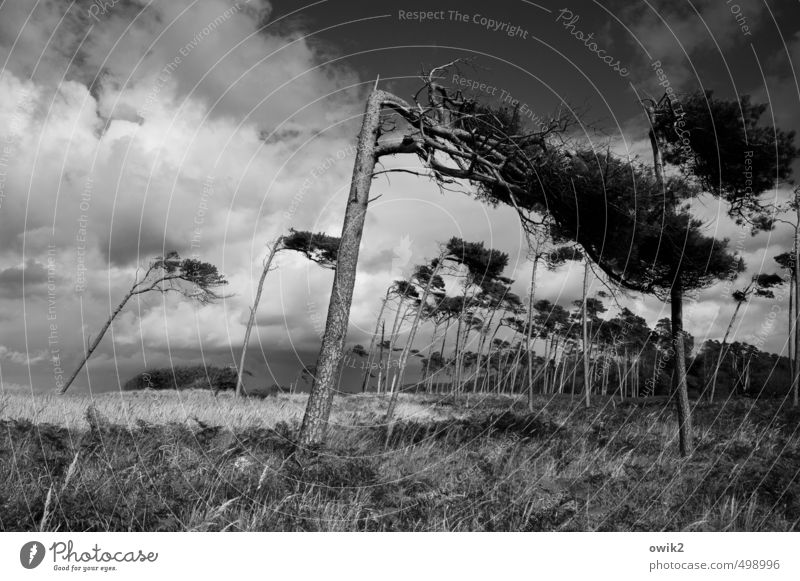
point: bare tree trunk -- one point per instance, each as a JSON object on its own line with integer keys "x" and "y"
{"x": 96, "y": 342}
{"x": 722, "y": 351}
{"x": 585, "y": 324}
{"x": 790, "y": 352}
{"x": 796, "y": 276}
{"x": 427, "y": 371}
{"x": 251, "y": 321}
{"x": 529, "y": 330}
{"x": 367, "y": 373}
{"x": 315, "y": 419}
{"x": 412, "y": 334}
{"x": 682, "y": 392}
{"x": 380, "y": 361}
{"x": 392, "y": 336}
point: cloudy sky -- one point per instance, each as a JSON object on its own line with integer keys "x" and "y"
{"x": 131, "y": 128}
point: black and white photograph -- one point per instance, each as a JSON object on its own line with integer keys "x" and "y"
{"x": 426, "y": 267}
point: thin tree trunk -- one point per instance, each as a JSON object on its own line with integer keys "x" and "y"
{"x": 276, "y": 246}
{"x": 796, "y": 276}
{"x": 790, "y": 352}
{"x": 528, "y": 332}
{"x": 722, "y": 349}
{"x": 380, "y": 360}
{"x": 430, "y": 354}
{"x": 585, "y": 325}
{"x": 315, "y": 419}
{"x": 682, "y": 392}
{"x": 397, "y": 318}
{"x": 676, "y": 300}
{"x": 404, "y": 355}
{"x": 365, "y": 380}
{"x": 96, "y": 342}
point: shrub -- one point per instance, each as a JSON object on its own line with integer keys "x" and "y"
{"x": 184, "y": 377}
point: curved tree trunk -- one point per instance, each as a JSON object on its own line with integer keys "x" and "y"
{"x": 240, "y": 372}
{"x": 315, "y": 419}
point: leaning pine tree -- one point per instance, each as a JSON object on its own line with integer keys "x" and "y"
{"x": 456, "y": 140}
{"x": 187, "y": 277}
{"x": 319, "y": 248}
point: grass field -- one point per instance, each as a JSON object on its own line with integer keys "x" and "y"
{"x": 192, "y": 461}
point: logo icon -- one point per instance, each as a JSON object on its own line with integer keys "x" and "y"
{"x": 31, "y": 554}
{"x": 401, "y": 256}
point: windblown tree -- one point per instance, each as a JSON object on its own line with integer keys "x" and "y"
{"x": 319, "y": 248}
{"x": 760, "y": 285}
{"x": 789, "y": 262}
{"x": 427, "y": 278}
{"x": 722, "y": 148}
{"x": 456, "y": 140}
{"x": 482, "y": 276}
{"x": 187, "y": 277}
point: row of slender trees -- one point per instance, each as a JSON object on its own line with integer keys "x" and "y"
{"x": 482, "y": 340}
{"x": 647, "y": 241}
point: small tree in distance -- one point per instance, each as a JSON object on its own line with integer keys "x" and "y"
{"x": 190, "y": 278}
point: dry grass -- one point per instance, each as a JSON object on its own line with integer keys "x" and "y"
{"x": 126, "y": 408}
{"x": 190, "y": 461}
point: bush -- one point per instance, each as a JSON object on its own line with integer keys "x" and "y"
{"x": 184, "y": 377}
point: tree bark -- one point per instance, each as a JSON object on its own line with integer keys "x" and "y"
{"x": 240, "y": 372}
{"x": 315, "y": 419}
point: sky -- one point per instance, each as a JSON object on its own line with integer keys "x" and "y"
{"x": 132, "y": 128}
